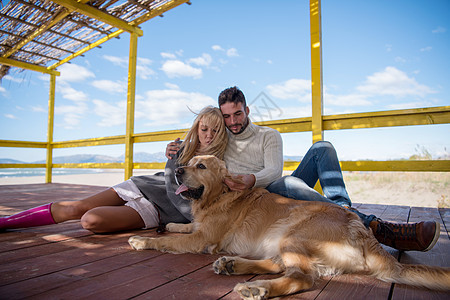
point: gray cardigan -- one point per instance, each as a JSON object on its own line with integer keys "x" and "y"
{"x": 160, "y": 190}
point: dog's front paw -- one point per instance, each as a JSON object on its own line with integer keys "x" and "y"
{"x": 139, "y": 242}
{"x": 250, "y": 291}
{"x": 224, "y": 265}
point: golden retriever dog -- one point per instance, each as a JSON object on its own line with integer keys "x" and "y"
{"x": 302, "y": 239}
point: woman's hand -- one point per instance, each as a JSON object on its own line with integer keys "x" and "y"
{"x": 172, "y": 148}
{"x": 240, "y": 182}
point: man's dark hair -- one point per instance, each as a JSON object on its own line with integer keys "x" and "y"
{"x": 232, "y": 94}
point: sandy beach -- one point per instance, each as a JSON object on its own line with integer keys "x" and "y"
{"x": 423, "y": 189}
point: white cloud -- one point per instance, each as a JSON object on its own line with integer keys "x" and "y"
{"x": 13, "y": 79}
{"x": 426, "y": 49}
{"x": 439, "y": 29}
{"x": 144, "y": 72}
{"x": 38, "y": 109}
{"x": 393, "y": 82}
{"x": 72, "y": 114}
{"x": 167, "y": 107}
{"x": 118, "y": 61}
{"x": 217, "y": 48}
{"x": 74, "y": 73}
{"x": 232, "y": 52}
{"x": 171, "y": 86}
{"x": 346, "y": 100}
{"x": 2, "y": 90}
{"x": 168, "y": 55}
{"x": 142, "y": 69}
{"x": 110, "y": 86}
{"x": 299, "y": 89}
{"x": 70, "y": 93}
{"x": 176, "y": 68}
{"x": 10, "y": 116}
{"x": 110, "y": 114}
{"x": 204, "y": 60}
{"x": 417, "y": 104}
{"x": 159, "y": 107}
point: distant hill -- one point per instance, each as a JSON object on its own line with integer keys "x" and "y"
{"x": 147, "y": 157}
{"x": 94, "y": 158}
{"x": 10, "y": 161}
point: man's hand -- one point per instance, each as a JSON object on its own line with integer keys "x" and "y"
{"x": 243, "y": 182}
{"x": 172, "y": 148}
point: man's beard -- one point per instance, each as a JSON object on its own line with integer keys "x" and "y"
{"x": 243, "y": 127}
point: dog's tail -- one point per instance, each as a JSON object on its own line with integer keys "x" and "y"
{"x": 386, "y": 268}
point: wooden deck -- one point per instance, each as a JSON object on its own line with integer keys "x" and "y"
{"x": 65, "y": 261}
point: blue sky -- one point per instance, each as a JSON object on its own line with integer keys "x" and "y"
{"x": 377, "y": 55}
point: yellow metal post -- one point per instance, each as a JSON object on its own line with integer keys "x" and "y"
{"x": 316, "y": 70}
{"x": 316, "y": 74}
{"x": 51, "y": 117}
{"x": 130, "y": 106}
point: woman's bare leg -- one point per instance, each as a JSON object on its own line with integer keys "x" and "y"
{"x": 74, "y": 210}
{"x": 111, "y": 219}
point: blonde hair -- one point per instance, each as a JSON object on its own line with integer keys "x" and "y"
{"x": 211, "y": 117}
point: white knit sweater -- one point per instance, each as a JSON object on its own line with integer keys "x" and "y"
{"x": 257, "y": 150}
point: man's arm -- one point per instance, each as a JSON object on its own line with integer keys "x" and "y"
{"x": 273, "y": 160}
{"x": 271, "y": 150}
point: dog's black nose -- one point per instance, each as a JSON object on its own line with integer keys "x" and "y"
{"x": 179, "y": 171}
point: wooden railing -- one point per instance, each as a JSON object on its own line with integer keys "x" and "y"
{"x": 408, "y": 117}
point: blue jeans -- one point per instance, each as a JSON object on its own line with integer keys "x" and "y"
{"x": 319, "y": 163}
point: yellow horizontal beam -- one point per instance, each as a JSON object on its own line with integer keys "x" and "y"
{"x": 22, "y": 144}
{"x": 407, "y": 117}
{"x": 159, "y": 136}
{"x": 14, "y": 166}
{"x": 390, "y": 165}
{"x": 89, "y": 166}
{"x": 87, "y": 48}
{"x": 421, "y": 116}
{"x": 289, "y": 125}
{"x": 149, "y": 166}
{"x": 97, "y": 14}
{"x": 27, "y": 66}
{"x": 110, "y": 140}
{"x": 398, "y": 165}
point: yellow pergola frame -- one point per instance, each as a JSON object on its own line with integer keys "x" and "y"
{"x": 316, "y": 124}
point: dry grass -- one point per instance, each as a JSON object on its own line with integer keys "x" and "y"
{"x": 426, "y": 189}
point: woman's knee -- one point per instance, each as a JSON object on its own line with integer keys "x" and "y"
{"x": 67, "y": 210}
{"x": 92, "y": 222}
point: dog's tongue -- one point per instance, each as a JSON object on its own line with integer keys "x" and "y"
{"x": 181, "y": 189}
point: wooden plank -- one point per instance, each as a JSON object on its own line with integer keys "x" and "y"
{"x": 133, "y": 279}
{"x": 66, "y": 261}
{"x": 54, "y": 257}
{"x": 201, "y": 284}
{"x": 438, "y": 256}
{"x": 49, "y": 284}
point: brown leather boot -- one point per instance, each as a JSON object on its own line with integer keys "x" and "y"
{"x": 406, "y": 237}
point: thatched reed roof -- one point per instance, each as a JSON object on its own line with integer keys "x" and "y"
{"x": 48, "y": 33}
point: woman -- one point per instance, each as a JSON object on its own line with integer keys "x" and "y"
{"x": 140, "y": 202}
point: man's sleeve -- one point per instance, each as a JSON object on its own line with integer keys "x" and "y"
{"x": 273, "y": 159}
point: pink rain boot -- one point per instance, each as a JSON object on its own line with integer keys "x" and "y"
{"x": 37, "y": 216}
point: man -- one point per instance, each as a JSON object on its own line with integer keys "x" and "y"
{"x": 255, "y": 154}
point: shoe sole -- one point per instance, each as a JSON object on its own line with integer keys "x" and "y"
{"x": 437, "y": 233}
